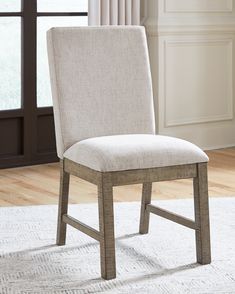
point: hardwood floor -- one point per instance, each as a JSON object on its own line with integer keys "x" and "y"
{"x": 36, "y": 185}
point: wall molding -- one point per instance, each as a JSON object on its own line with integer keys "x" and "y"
{"x": 217, "y": 147}
{"x": 209, "y": 132}
{"x": 154, "y": 30}
{"x": 170, "y": 7}
{"x": 229, "y": 115}
{"x": 202, "y": 120}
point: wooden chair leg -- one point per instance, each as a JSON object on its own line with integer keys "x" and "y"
{"x": 202, "y": 215}
{"x": 144, "y": 214}
{"x": 106, "y": 224}
{"x": 63, "y": 205}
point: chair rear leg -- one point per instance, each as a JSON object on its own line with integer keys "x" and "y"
{"x": 202, "y": 215}
{"x": 144, "y": 214}
{"x": 106, "y": 224}
{"x": 63, "y": 205}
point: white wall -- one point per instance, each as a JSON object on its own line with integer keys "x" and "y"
{"x": 192, "y": 54}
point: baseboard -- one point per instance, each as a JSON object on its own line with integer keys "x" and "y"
{"x": 219, "y": 147}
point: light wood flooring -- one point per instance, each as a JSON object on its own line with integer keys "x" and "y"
{"x": 36, "y": 185}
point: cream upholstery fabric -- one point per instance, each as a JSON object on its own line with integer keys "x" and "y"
{"x": 102, "y": 96}
{"x": 101, "y": 83}
{"x": 128, "y": 152}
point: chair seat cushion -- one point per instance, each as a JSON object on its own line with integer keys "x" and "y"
{"x": 128, "y": 152}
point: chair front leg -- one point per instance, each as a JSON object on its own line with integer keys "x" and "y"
{"x": 144, "y": 214}
{"x": 106, "y": 224}
{"x": 201, "y": 205}
{"x": 63, "y": 205}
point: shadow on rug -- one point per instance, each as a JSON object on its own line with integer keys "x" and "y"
{"x": 161, "y": 262}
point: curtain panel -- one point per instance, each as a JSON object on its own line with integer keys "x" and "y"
{"x": 114, "y": 12}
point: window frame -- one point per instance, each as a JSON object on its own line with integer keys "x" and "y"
{"x": 32, "y": 125}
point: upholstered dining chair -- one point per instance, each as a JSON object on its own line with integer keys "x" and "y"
{"x": 105, "y": 134}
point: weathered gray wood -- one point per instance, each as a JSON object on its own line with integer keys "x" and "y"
{"x": 129, "y": 177}
{"x": 82, "y": 172}
{"x": 144, "y": 213}
{"x": 172, "y": 216}
{"x": 63, "y": 205}
{"x": 106, "y": 223}
{"x": 105, "y": 182}
{"x": 151, "y": 175}
{"x": 202, "y": 215}
{"x": 82, "y": 227}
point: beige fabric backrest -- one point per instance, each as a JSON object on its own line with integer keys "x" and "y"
{"x": 101, "y": 83}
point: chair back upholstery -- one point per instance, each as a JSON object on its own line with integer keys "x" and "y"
{"x": 101, "y": 83}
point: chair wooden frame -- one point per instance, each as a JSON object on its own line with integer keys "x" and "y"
{"x": 107, "y": 180}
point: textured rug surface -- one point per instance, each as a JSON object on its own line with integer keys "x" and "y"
{"x": 161, "y": 262}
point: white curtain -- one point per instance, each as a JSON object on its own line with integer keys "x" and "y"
{"x": 114, "y": 12}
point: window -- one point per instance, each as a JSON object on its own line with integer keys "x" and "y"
{"x": 62, "y": 5}
{"x": 26, "y": 116}
{"x": 10, "y": 63}
{"x": 10, "y": 6}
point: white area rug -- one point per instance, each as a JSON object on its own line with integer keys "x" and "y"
{"x": 161, "y": 262}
